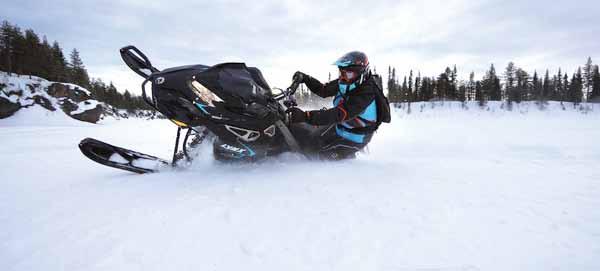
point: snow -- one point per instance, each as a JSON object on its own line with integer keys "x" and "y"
{"x": 117, "y": 158}
{"x": 77, "y": 87}
{"x": 441, "y": 189}
{"x": 37, "y": 116}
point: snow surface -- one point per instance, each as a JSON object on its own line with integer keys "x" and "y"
{"x": 442, "y": 189}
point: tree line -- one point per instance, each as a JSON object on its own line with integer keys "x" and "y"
{"x": 25, "y": 53}
{"x": 514, "y": 84}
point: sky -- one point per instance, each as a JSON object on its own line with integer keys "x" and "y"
{"x": 281, "y": 37}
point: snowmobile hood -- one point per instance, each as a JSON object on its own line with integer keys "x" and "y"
{"x": 236, "y": 83}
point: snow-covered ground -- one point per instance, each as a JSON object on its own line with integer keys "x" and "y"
{"x": 442, "y": 189}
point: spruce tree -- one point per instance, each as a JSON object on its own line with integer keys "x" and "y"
{"x": 522, "y": 87}
{"x": 560, "y": 91}
{"x": 471, "y": 87}
{"x": 12, "y": 48}
{"x": 565, "y": 86}
{"x": 58, "y": 64}
{"x": 576, "y": 87}
{"x": 491, "y": 85}
{"x": 77, "y": 71}
{"x": 410, "y": 86}
{"x": 535, "y": 87}
{"x": 417, "y": 92}
{"x": 443, "y": 83}
{"x": 32, "y": 54}
{"x": 545, "y": 87}
{"x": 479, "y": 95}
{"x": 595, "y": 95}
{"x": 588, "y": 70}
{"x": 404, "y": 91}
{"x": 510, "y": 79}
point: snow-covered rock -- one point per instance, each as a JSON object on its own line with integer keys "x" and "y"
{"x": 19, "y": 91}
{"x": 24, "y": 91}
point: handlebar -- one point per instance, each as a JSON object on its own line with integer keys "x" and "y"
{"x": 287, "y": 95}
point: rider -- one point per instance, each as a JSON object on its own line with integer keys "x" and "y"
{"x": 353, "y": 119}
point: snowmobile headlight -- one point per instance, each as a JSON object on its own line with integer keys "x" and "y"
{"x": 205, "y": 94}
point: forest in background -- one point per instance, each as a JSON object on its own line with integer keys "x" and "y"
{"x": 24, "y": 52}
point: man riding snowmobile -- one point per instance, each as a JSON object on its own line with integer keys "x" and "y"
{"x": 359, "y": 108}
{"x": 233, "y": 105}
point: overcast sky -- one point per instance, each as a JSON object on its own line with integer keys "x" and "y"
{"x": 280, "y": 37}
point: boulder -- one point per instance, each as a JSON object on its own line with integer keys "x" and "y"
{"x": 8, "y": 108}
{"x": 58, "y": 90}
{"x": 45, "y": 103}
{"x": 92, "y": 115}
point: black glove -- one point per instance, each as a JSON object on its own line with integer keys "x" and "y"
{"x": 296, "y": 114}
{"x": 299, "y": 77}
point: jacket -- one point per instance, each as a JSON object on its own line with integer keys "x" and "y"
{"x": 354, "y": 111}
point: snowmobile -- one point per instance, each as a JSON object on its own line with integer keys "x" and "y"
{"x": 229, "y": 102}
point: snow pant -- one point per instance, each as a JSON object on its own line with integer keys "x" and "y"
{"x": 325, "y": 143}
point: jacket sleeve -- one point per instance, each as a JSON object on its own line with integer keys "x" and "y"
{"x": 324, "y": 91}
{"x": 354, "y": 106}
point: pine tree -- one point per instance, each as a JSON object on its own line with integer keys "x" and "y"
{"x": 560, "y": 91}
{"x": 4, "y": 47}
{"x": 595, "y": 96}
{"x": 443, "y": 84}
{"x": 462, "y": 92}
{"x": 77, "y": 71}
{"x": 12, "y": 48}
{"x": 453, "y": 86}
{"x": 588, "y": 70}
{"x": 58, "y": 64}
{"x": 545, "y": 87}
{"x": 479, "y": 95}
{"x": 566, "y": 86}
{"x": 522, "y": 87}
{"x": 510, "y": 77}
{"x": 535, "y": 87}
{"x": 471, "y": 87}
{"x": 404, "y": 91}
{"x": 32, "y": 54}
{"x": 417, "y": 93}
{"x": 576, "y": 87}
{"x": 491, "y": 85}
{"x": 410, "y": 86}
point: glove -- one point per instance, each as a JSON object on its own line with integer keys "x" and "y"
{"x": 297, "y": 115}
{"x": 299, "y": 77}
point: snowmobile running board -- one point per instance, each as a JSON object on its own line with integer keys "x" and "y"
{"x": 121, "y": 158}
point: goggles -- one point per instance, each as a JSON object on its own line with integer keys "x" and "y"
{"x": 348, "y": 76}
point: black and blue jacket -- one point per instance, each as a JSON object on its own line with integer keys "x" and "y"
{"x": 354, "y": 111}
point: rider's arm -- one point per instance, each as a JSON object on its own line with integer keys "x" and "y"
{"x": 356, "y": 104}
{"x": 324, "y": 91}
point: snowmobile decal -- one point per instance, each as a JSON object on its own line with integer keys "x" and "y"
{"x": 243, "y": 134}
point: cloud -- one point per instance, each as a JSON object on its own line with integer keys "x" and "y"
{"x": 281, "y": 37}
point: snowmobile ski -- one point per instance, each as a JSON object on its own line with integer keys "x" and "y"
{"x": 121, "y": 158}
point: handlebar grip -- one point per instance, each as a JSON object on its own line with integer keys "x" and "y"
{"x": 294, "y": 87}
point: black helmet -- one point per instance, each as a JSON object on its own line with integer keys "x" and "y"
{"x": 354, "y": 58}
{"x": 353, "y": 66}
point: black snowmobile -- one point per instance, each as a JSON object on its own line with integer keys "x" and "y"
{"x": 230, "y": 102}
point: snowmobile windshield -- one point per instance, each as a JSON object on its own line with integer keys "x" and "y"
{"x": 235, "y": 81}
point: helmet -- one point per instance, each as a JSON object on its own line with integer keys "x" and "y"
{"x": 353, "y": 66}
